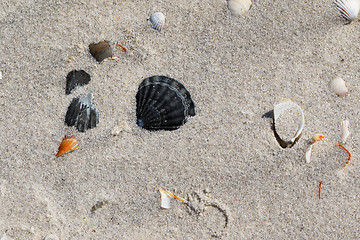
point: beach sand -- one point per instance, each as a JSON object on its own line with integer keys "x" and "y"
{"x": 226, "y": 161}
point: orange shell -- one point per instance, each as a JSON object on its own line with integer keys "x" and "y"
{"x": 68, "y": 143}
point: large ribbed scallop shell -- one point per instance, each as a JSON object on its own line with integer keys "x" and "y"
{"x": 162, "y": 103}
{"x": 82, "y": 113}
{"x": 157, "y": 21}
{"x": 69, "y": 143}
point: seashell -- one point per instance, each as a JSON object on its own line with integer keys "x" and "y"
{"x": 123, "y": 127}
{"x": 349, "y": 9}
{"x": 100, "y": 50}
{"x": 344, "y": 130}
{"x": 76, "y": 78}
{"x": 317, "y": 137}
{"x": 166, "y": 197}
{"x": 338, "y": 86}
{"x": 308, "y": 153}
{"x": 82, "y": 113}
{"x": 314, "y": 139}
{"x": 69, "y": 143}
{"x": 238, "y": 7}
{"x": 281, "y": 108}
{"x": 162, "y": 103}
{"x": 157, "y": 21}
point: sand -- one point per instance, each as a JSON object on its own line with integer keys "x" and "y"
{"x": 225, "y": 161}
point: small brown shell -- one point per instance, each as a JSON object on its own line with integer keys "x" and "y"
{"x": 100, "y": 50}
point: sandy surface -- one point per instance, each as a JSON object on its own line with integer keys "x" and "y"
{"x": 226, "y": 161}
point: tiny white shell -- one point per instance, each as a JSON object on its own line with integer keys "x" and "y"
{"x": 338, "y": 86}
{"x": 157, "y": 21}
{"x": 349, "y": 9}
{"x": 165, "y": 199}
{"x": 238, "y": 7}
{"x": 344, "y": 130}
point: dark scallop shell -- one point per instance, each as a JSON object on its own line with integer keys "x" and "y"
{"x": 100, "y": 50}
{"x": 162, "y": 103}
{"x": 76, "y": 78}
{"x": 82, "y": 113}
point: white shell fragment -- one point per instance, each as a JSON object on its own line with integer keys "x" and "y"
{"x": 157, "y": 21}
{"x": 344, "y": 130}
{"x": 122, "y": 127}
{"x": 238, "y": 7}
{"x": 349, "y": 9}
{"x": 308, "y": 153}
{"x": 315, "y": 138}
{"x": 280, "y": 109}
{"x": 338, "y": 86}
{"x": 166, "y": 197}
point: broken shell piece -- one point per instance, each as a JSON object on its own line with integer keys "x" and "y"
{"x": 308, "y": 153}
{"x": 314, "y": 139}
{"x": 123, "y": 127}
{"x": 280, "y": 109}
{"x": 317, "y": 137}
{"x": 157, "y": 21}
{"x": 82, "y": 113}
{"x": 338, "y": 86}
{"x": 349, "y": 9}
{"x": 98, "y": 204}
{"x": 100, "y": 50}
{"x": 76, "y": 78}
{"x": 344, "y": 130}
{"x": 69, "y": 143}
{"x": 238, "y": 7}
{"x": 166, "y": 197}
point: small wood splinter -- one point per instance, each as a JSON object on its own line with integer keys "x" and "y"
{"x": 347, "y": 152}
{"x": 320, "y": 190}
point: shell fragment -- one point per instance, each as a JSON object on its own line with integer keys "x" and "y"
{"x": 315, "y": 138}
{"x": 166, "y": 197}
{"x": 344, "y": 130}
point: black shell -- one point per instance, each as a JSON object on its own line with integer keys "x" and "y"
{"x": 162, "y": 103}
{"x": 100, "y": 50}
{"x": 82, "y": 113}
{"x": 76, "y": 78}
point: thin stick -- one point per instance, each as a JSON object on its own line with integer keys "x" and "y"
{"x": 174, "y": 196}
{"x": 123, "y": 48}
{"x": 320, "y": 189}
{"x": 347, "y": 152}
